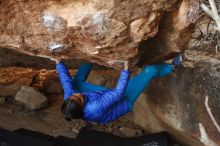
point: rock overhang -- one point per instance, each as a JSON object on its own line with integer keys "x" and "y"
{"x": 106, "y": 32}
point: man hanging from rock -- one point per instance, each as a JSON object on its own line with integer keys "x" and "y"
{"x": 89, "y": 102}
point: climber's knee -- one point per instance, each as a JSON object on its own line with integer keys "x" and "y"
{"x": 150, "y": 71}
{"x": 82, "y": 73}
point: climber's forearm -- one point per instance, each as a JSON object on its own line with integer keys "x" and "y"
{"x": 65, "y": 79}
{"x": 122, "y": 81}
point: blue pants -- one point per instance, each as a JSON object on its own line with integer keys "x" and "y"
{"x": 135, "y": 87}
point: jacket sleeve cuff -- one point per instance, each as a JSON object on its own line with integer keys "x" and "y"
{"x": 125, "y": 73}
{"x": 59, "y": 64}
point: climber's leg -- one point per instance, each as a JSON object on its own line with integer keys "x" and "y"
{"x": 80, "y": 78}
{"x": 82, "y": 73}
{"x": 163, "y": 69}
{"x": 138, "y": 83}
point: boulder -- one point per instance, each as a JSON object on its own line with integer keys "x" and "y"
{"x": 9, "y": 90}
{"x": 31, "y": 98}
{"x": 12, "y": 89}
{"x": 176, "y": 103}
{"x": 130, "y": 132}
{"x": 105, "y": 32}
{"x": 174, "y": 32}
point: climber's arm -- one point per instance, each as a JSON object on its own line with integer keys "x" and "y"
{"x": 112, "y": 97}
{"x": 65, "y": 79}
{"x": 122, "y": 82}
{"x": 123, "y": 79}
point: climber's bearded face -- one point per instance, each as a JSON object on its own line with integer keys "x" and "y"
{"x": 72, "y": 107}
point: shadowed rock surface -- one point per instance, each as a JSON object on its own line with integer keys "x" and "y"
{"x": 174, "y": 103}
{"x": 177, "y": 102}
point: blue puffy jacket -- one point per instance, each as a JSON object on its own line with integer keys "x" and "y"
{"x": 101, "y": 106}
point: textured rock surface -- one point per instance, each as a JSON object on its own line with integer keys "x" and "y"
{"x": 174, "y": 33}
{"x": 2, "y": 100}
{"x": 130, "y": 132}
{"x": 177, "y": 103}
{"x": 52, "y": 85}
{"x": 10, "y": 90}
{"x": 31, "y": 98}
{"x": 104, "y": 32}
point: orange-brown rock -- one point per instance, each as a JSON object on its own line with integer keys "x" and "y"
{"x": 105, "y": 32}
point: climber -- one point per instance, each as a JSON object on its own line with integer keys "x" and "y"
{"x": 89, "y": 102}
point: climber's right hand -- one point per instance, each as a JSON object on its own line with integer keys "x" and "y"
{"x": 126, "y": 65}
{"x": 56, "y": 60}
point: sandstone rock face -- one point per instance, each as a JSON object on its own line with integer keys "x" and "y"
{"x": 52, "y": 85}
{"x": 174, "y": 32}
{"x": 31, "y": 98}
{"x": 10, "y": 90}
{"x": 176, "y": 103}
{"x": 105, "y": 32}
